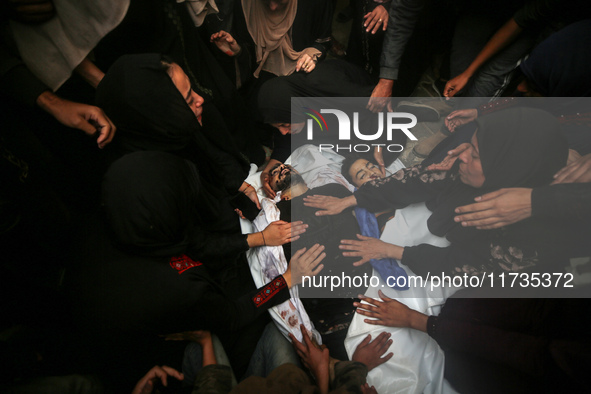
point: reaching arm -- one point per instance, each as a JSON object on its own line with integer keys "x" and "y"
{"x": 88, "y": 118}
{"x": 402, "y": 18}
{"x": 391, "y": 313}
{"x": 265, "y": 178}
{"x": 90, "y": 72}
{"x": 500, "y": 40}
{"x": 229, "y": 315}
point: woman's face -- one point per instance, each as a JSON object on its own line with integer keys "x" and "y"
{"x": 276, "y": 5}
{"x": 182, "y": 83}
{"x": 363, "y": 171}
{"x": 289, "y": 128}
{"x": 470, "y": 166}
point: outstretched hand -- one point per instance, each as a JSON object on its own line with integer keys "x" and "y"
{"x": 313, "y": 356}
{"x": 496, "y": 209}
{"x": 225, "y": 43}
{"x": 389, "y": 312}
{"x": 305, "y": 63}
{"x": 250, "y": 192}
{"x": 376, "y": 18}
{"x": 381, "y": 96}
{"x": 147, "y": 383}
{"x": 306, "y": 263}
{"x": 329, "y": 205}
{"x": 370, "y": 352}
{"x": 280, "y": 232}
{"x": 447, "y": 163}
{"x": 460, "y": 117}
{"x": 265, "y": 178}
{"x": 455, "y": 85}
{"x": 369, "y": 248}
{"x": 88, "y": 118}
{"x": 578, "y": 171}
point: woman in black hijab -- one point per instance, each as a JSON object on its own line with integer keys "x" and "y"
{"x": 151, "y": 113}
{"x": 519, "y": 147}
{"x": 149, "y": 273}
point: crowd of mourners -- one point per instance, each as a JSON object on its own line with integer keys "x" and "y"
{"x": 129, "y": 128}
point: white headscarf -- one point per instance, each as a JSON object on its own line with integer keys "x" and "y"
{"x": 53, "y": 49}
{"x": 199, "y": 9}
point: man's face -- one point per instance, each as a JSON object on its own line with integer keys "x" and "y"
{"x": 289, "y": 128}
{"x": 470, "y": 166}
{"x": 182, "y": 83}
{"x": 275, "y": 5}
{"x": 364, "y": 171}
{"x": 280, "y": 177}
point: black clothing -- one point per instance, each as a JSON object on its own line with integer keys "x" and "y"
{"x": 332, "y": 78}
{"x": 331, "y": 316}
{"x": 513, "y": 345}
{"x": 559, "y": 66}
{"x": 364, "y": 48}
{"x": 123, "y": 302}
{"x": 157, "y": 205}
{"x": 551, "y": 14}
{"x": 151, "y": 114}
{"x": 144, "y": 276}
{"x": 324, "y": 230}
{"x": 567, "y": 207}
{"x": 160, "y": 295}
{"x": 161, "y": 26}
{"x": 518, "y": 148}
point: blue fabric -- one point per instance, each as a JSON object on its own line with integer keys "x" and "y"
{"x": 385, "y": 267}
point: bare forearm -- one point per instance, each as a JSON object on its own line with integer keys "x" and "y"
{"x": 322, "y": 380}
{"x": 48, "y": 101}
{"x": 386, "y": 83}
{"x": 91, "y": 73}
{"x": 418, "y": 321}
{"x": 501, "y": 39}
{"x": 208, "y": 353}
{"x": 349, "y": 202}
{"x": 395, "y": 251}
{"x": 255, "y": 239}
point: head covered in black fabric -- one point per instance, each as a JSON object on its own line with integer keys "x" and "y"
{"x": 559, "y": 66}
{"x": 518, "y": 147}
{"x": 149, "y": 111}
{"x": 521, "y": 147}
{"x": 150, "y": 200}
{"x": 331, "y": 78}
{"x": 274, "y": 100}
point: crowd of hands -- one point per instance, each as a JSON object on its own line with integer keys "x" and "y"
{"x": 372, "y": 352}
{"x": 489, "y": 211}
{"x": 92, "y": 120}
{"x": 316, "y": 358}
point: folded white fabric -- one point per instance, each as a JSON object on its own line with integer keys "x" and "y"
{"x": 53, "y": 49}
{"x": 265, "y": 264}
